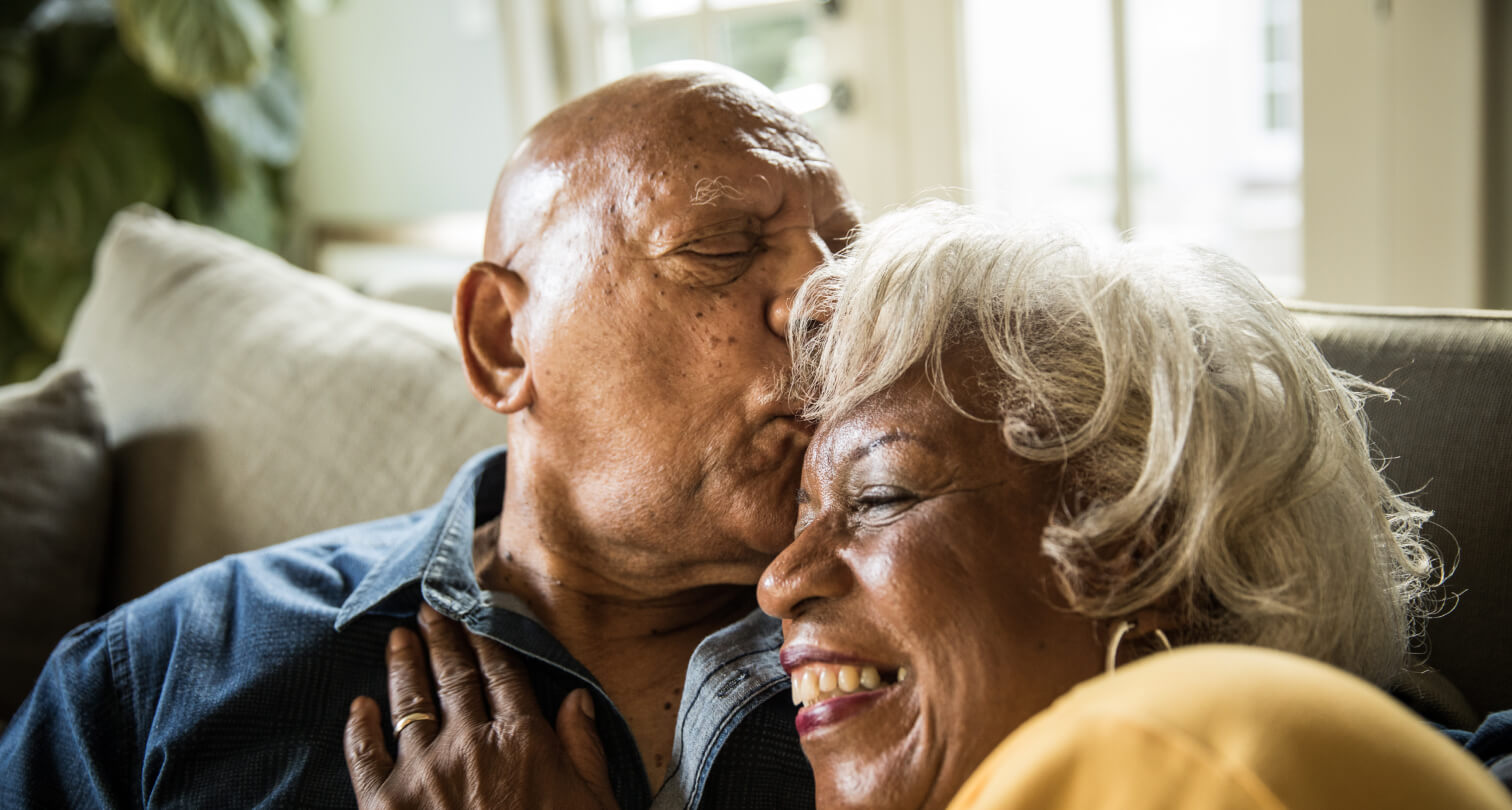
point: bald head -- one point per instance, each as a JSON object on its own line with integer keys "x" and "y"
{"x": 631, "y": 317}
{"x": 608, "y": 152}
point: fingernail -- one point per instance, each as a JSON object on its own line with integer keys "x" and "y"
{"x": 428, "y": 614}
{"x": 585, "y": 704}
{"x": 398, "y": 640}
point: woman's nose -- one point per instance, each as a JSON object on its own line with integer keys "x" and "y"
{"x": 807, "y": 572}
{"x": 805, "y": 254}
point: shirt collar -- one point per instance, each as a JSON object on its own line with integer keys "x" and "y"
{"x": 441, "y": 551}
{"x": 731, "y": 673}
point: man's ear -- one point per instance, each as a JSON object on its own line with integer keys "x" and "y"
{"x": 495, "y": 355}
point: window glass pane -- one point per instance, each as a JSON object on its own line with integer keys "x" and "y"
{"x": 780, "y": 50}
{"x": 723, "y": 4}
{"x": 663, "y": 41}
{"x": 646, "y": 9}
{"x": 1213, "y": 127}
{"x": 1039, "y": 108}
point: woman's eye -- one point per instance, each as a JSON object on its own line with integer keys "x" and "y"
{"x": 882, "y": 499}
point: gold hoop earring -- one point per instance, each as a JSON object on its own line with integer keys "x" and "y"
{"x": 1111, "y": 661}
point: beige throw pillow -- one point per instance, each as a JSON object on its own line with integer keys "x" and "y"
{"x": 250, "y": 402}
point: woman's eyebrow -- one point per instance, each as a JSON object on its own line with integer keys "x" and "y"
{"x": 882, "y": 441}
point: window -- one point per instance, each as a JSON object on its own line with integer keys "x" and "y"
{"x": 776, "y": 41}
{"x": 1173, "y": 119}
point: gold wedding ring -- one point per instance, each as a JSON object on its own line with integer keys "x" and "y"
{"x": 403, "y": 722}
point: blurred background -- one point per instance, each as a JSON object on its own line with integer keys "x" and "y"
{"x": 1346, "y": 150}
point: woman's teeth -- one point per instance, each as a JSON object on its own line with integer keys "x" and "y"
{"x": 819, "y": 682}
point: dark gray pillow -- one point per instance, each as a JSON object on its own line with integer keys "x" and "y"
{"x": 54, "y": 502}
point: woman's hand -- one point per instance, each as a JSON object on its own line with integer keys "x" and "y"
{"x": 487, "y": 746}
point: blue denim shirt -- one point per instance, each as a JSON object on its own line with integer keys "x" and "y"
{"x": 1491, "y": 743}
{"x": 229, "y": 686}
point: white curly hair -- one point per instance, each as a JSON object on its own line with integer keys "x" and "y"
{"x": 1214, "y": 467}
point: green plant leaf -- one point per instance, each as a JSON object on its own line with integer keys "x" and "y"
{"x": 14, "y": 13}
{"x": 314, "y": 7}
{"x": 75, "y": 162}
{"x": 18, "y": 76}
{"x": 264, "y": 119}
{"x": 66, "y": 53}
{"x": 191, "y": 46}
{"x": 243, "y": 202}
{"x": 51, "y": 14}
{"x": 20, "y": 357}
{"x": 44, "y": 281}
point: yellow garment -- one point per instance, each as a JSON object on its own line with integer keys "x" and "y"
{"x": 1228, "y": 728}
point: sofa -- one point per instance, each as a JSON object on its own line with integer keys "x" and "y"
{"x": 213, "y": 399}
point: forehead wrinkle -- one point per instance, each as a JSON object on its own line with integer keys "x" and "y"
{"x": 891, "y": 437}
{"x": 627, "y": 142}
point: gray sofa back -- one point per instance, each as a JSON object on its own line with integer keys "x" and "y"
{"x": 1447, "y": 435}
{"x": 249, "y": 402}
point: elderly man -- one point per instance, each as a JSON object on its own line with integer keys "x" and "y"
{"x": 630, "y": 317}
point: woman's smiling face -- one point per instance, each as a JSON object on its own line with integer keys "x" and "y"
{"x": 919, "y": 622}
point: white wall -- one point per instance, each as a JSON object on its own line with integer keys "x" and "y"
{"x": 408, "y": 109}
{"x": 1393, "y": 152}
{"x": 902, "y": 137}
{"x": 1498, "y": 43}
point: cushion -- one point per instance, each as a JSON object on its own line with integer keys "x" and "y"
{"x": 54, "y": 505}
{"x": 250, "y": 402}
{"x": 1447, "y": 437}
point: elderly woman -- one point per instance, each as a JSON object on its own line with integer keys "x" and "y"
{"x": 1037, "y": 463}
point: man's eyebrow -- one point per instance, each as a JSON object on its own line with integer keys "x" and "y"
{"x": 710, "y": 190}
{"x": 882, "y": 441}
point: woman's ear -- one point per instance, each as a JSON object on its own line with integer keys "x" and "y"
{"x": 495, "y": 354}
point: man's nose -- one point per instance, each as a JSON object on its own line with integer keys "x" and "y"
{"x": 806, "y": 253}
{"x": 806, "y": 572}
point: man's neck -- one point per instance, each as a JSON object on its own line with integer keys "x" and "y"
{"x": 636, "y": 644}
